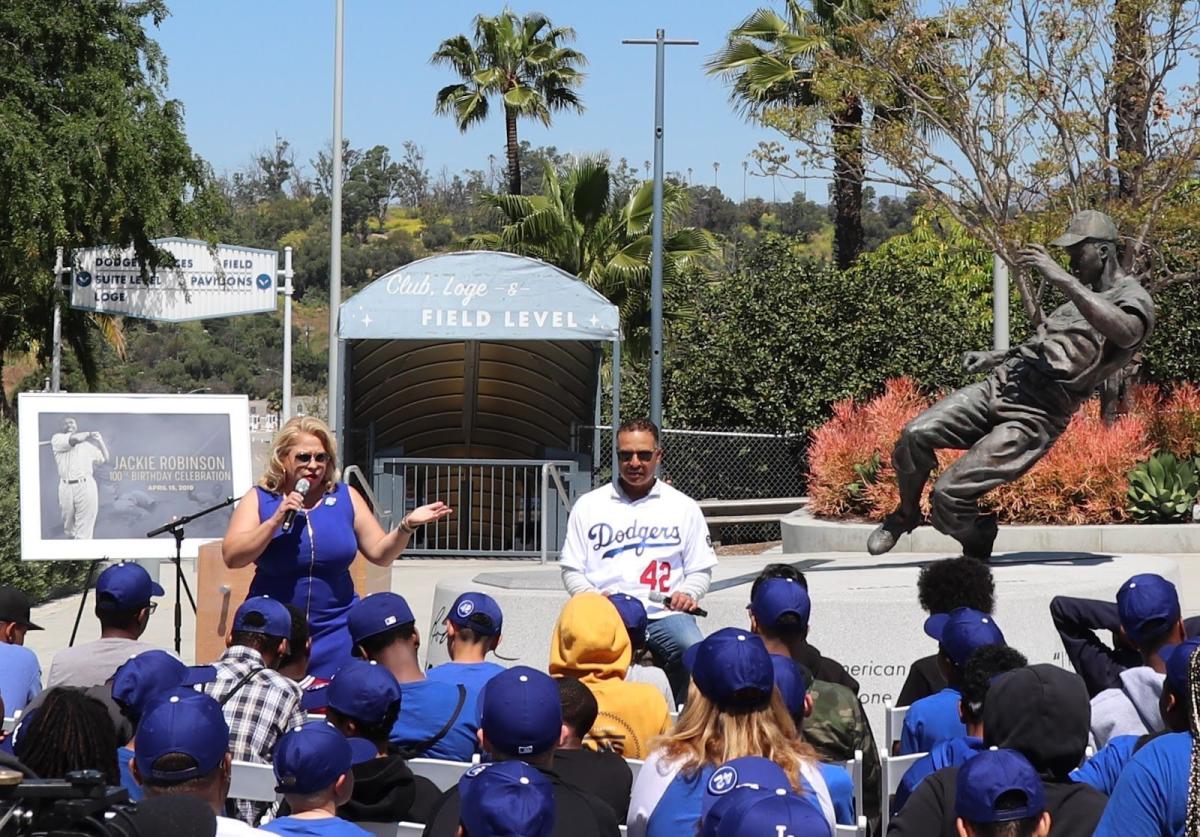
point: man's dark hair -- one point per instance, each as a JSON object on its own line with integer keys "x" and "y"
{"x": 377, "y": 732}
{"x": 112, "y": 617}
{"x": 298, "y": 641}
{"x": 956, "y": 582}
{"x": 982, "y": 667}
{"x": 262, "y": 643}
{"x": 375, "y": 643}
{"x": 639, "y": 425}
{"x": 174, "y": 763}
{"x": 579, "y": 707}
{"x": 778, "y": 571}
{"x": 1008, "y": 801}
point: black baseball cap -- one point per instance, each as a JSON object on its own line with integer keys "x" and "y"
{"x": 14, "y": 607}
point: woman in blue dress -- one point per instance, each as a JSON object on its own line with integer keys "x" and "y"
{"x": 307, "y": 564}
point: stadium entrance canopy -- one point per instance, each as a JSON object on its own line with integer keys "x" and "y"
{"x": 473, "y": 357}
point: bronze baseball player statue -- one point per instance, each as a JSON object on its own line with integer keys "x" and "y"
{"x": 1008, "y": 421}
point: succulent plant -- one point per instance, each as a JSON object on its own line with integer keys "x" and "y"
{"x": 1163, "y": 489}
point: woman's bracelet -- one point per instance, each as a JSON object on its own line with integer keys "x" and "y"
{"x": 406, "y": 526}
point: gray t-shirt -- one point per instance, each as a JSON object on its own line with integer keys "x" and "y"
{"x": 92, "y": 663}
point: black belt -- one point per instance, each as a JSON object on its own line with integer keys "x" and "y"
{"x": 73, "y": 482}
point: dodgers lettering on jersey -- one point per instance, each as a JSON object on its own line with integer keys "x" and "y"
{"x": 638, "y": 547}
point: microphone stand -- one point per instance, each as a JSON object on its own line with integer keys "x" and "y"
{"x": 175, "y": 527}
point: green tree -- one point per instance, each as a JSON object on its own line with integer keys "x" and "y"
{"x": 580, "y": 226}
{"x": 93, "y": 153}
{"x": 523, "y": 61}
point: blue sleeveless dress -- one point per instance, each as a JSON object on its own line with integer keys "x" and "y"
{"x": 309, "y": 567}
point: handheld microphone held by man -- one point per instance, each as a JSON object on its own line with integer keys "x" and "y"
{"x": 289, "y": 517}
{"x": 662, "y": 599}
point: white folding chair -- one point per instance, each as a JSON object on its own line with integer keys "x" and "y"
{"x": 635, "y": 767}
{"x": 444, "y": 774}
{"x": 255, "y": 782}
{"x": 859, "y": 830}
{"x": 894, "y": 768}
{"x": 855, "y": 768}
{"x": 623, "y": 830}
{"x": 407, "y": 829}
{"x": 893, "y": 724}
{"x": 384, "y": 829}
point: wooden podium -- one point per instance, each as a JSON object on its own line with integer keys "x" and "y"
{"x": 220, "y": 591}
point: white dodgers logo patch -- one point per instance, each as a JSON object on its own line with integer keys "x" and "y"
{"x": 466, "y": 608}
{"x": 723, "y": 780}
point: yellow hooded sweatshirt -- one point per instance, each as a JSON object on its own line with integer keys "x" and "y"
{"x": 590, "y": 643}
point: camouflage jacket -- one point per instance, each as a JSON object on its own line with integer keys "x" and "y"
{"x": 836, "y": 728}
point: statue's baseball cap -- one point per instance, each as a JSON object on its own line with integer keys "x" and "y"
{"x": 1087, "y": 224}
{"x": 506, "y": 799}
{"x": 14, "y": 607}
{"x": 991, "y": 774}
{"x": 731, "y": 667}
{"x": 477, "y": 611}
{"x": 1148, "y": 606}
{"x": 377, "y": 613}
{"x": 521, "y": 712}
{"x": 126, "y": 587}
{"x": 963, "y": 630}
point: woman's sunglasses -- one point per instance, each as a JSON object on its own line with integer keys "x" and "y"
{"x": 304, "y": 457}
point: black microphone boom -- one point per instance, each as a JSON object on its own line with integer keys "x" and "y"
{"x": 289, "y": 516}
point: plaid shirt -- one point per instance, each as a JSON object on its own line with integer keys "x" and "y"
{"x": 258, "y": 714}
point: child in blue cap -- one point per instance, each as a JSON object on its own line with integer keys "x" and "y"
{"x": 999, "y": 794}
{"x": 473, "y": 630}
{"x": 506, "y": 799}
{"x": 312, "y": 766}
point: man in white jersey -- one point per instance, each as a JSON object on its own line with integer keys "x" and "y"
{"x": 75, "y": 455}
{"x": 638, "y": 535}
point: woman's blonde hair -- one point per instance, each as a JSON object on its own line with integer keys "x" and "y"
{"x": 275, "y": 475}
{"x": 708, "y": 735}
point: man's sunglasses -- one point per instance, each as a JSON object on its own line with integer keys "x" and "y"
{"x": 628, "y": 455}
{"x": 305, "y": 456}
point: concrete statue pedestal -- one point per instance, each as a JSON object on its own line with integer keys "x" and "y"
{"x": 865, "y": 612}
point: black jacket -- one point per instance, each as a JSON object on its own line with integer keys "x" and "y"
{"x": 603, "y": 774}
{"x": 1041, "y": 711}
{"x": 577, "y": 813}
{"x": 823, "y": 668}
{"x": 385, "y": 790}
{"x": 924, "y": 679}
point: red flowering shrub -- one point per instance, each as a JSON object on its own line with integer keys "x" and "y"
{"x": 1172, "y": 419}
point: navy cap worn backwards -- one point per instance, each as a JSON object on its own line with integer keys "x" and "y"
{"x": 272, "y": 617}
{"x": 1178, "y": 659}
{"x": 363, "y": 691}
{"x": 1148, "y": 606}
{"x": 506, "y": 799}
{"x": 477, "y": 611}
{"x": 146, "y": 677}
{"x": 521, "y": 712}
{"x": 126, "y": 587}
{"x": 187, "y": 723}
{"x": 991, "y": 774}
{"x": 633, "y": 616}
{"x": 963, "y": 630}
{"x": 732, "y": 668}
{"x": 311, "y": 758}
{"x": 774, "y": 813}
{"x": 778, "y": 597}
{"x": 377, "y": 613}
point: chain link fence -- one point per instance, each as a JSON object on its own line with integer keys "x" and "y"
{"x": 717, "y": 464}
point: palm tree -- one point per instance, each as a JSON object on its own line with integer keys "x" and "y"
{"x": 577, "y": 224}
{"x": 520, "y": 59}
{"x": 771, "y": 64}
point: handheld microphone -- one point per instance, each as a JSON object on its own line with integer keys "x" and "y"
{"x": 659, "y": 598}
{"x": 289, "y": 517}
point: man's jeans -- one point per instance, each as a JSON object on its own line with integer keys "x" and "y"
{"x": 667, "y": 638}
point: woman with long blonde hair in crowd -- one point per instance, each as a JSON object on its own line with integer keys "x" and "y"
{"x": 733, "y": 710}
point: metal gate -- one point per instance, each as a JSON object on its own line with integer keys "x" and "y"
{"x": 503, "y": 508}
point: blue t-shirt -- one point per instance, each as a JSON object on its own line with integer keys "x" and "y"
{"x": 1103, "y": 770}
{"x": 425, "y": 707}
{"x": 930, "y": 721}
{"x": 472, "y": 675}
{"x": 20, "y": 677}
{"x": 1150, "y": 799}
{"x": 678, "y": 810}
{"x": 124, "y": 757}
{"x": 947, "y": 754}
{"x": 841, "y": 792}
{"x": 324, "y": 827}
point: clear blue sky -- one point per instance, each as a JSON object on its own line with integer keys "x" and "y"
{"x": 248, "y": 69}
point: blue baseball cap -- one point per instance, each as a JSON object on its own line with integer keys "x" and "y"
{"x": 145, "y": 677}
{"x": 765, "y": 812}
{"x": 521, "y": 712}
{"x": 506, "y": 799}
{"x": 1179, "y": 662}
{"x": 126, "y": 587}
{"x": 310, "y": 758}
{"x": 732, "y": 668}
{"x": 778, "y": 597}
{"x": 990, "y": 774}
{"x": 747, "y": 772}
{"x": 183, "y": 722}
{"x": 792, "y": 680}
{"x": 633, "y": 615}
{"x": 362, "y": 691}
{"x": 963, "y": 630}
{"x": 477, "y": 611}
{"x": 1148, "y": 606}
{"x": 377, "y": 613}
{"x": 275, "y": 618}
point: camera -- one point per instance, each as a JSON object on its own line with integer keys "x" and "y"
{"x": 81, "y": 805}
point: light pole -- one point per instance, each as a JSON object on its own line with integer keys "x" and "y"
{"x": 656, "y": 293}
{"x": 335, "y": 224}
{"x": 716, "y": 166}
{"x": 745, "y": 171}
